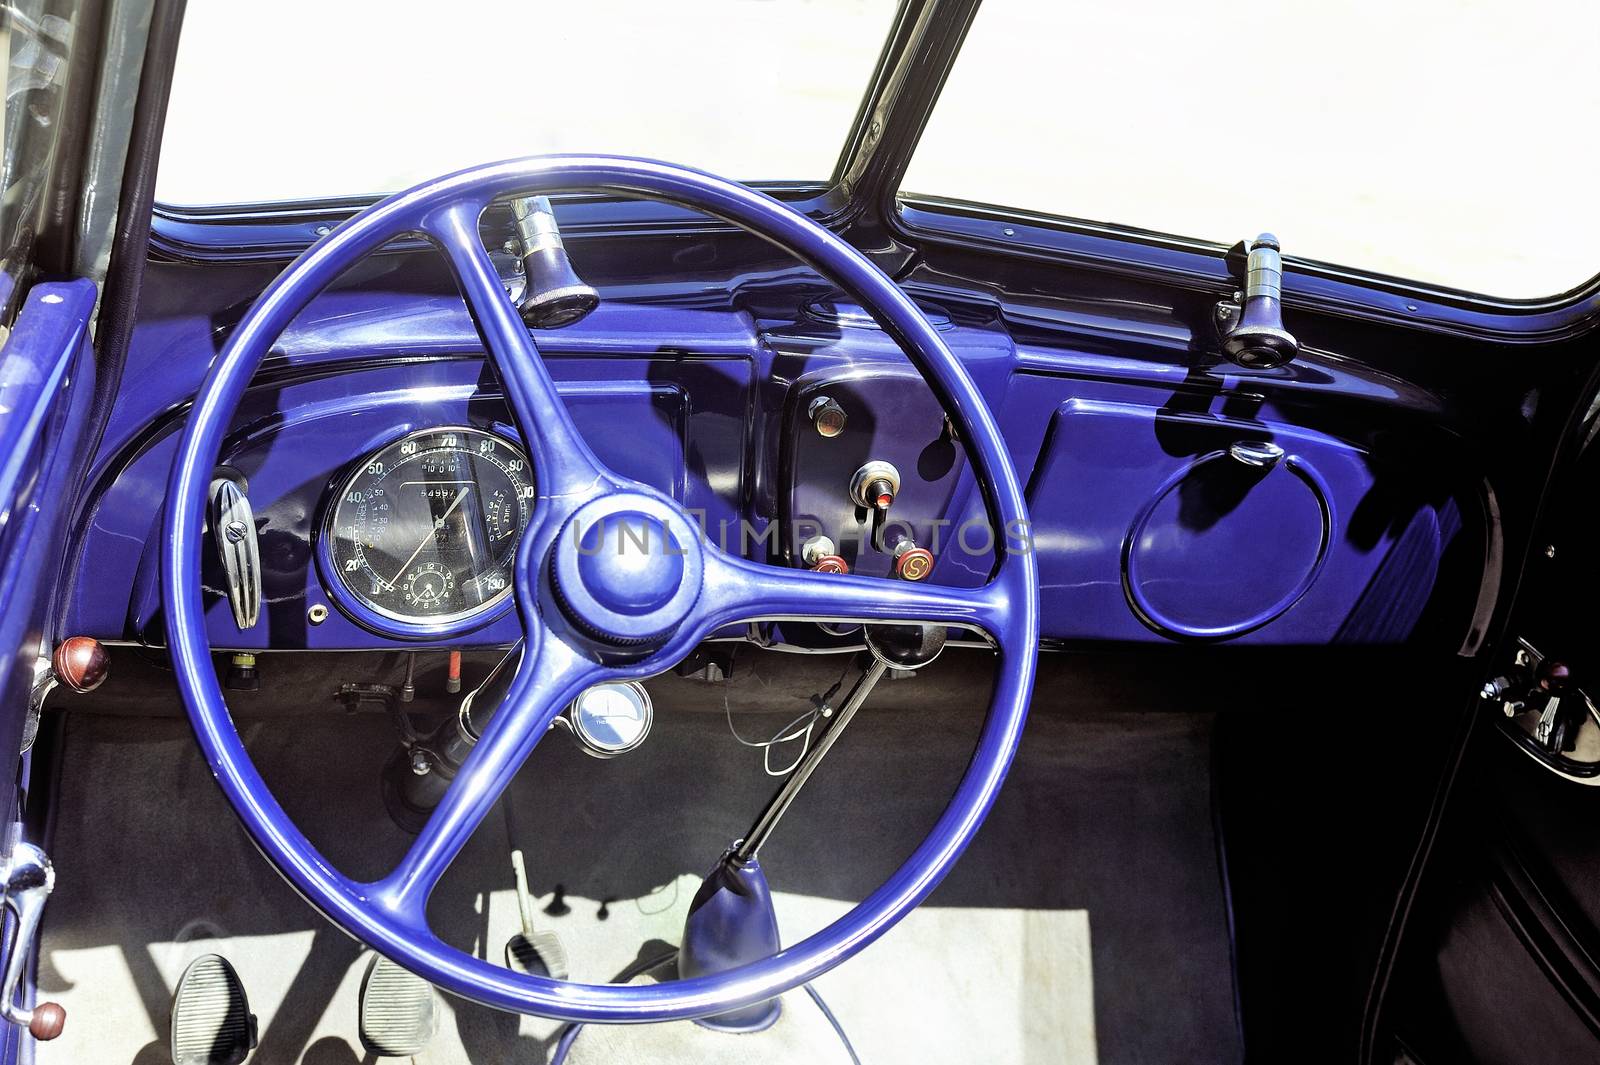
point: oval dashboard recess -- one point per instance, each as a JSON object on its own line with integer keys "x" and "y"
{"x": 1228, "y": 544}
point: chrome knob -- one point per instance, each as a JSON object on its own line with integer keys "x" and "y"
{"x": 827, "y": 416}
{"x": 555, "y": 295}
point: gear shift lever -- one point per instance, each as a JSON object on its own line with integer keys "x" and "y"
{"x": 731, "y": 920}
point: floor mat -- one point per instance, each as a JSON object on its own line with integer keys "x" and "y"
{"x": 1085, "y": 924}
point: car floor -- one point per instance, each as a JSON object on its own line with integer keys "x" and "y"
{"x": 1085, "y": 924}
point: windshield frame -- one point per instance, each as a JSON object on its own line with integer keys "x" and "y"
{"x": 281, "y": 229}
{"x": 862, "y": 199}
{"x": 919, "y": 219}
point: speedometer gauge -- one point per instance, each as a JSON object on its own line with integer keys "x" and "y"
{"x": 425, "y": 531}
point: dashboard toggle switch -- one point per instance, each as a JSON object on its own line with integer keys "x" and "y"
{"x": 912, "y": 563}
{"x": 820, "y": 554}
{"x": 875, "y": 485}
{"x": 827, "y": 416}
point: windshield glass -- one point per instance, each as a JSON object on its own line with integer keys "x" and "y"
{"x": 1444, "y": 141}
{"x": 308, "y": 100}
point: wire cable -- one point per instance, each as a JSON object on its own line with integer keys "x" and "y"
{"x": 838, "y": 1029}
{"x": 799, "y": 728}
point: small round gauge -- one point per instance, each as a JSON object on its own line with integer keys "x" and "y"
{"x": 425, "y": 531}
{"x": 428, "y": 587}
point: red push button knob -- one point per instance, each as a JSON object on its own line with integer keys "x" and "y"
{"x": 913, "y": 564}
{"x": 830, "y": 564}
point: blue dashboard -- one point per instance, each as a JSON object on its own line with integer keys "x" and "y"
{"x": 1173, "y": 500}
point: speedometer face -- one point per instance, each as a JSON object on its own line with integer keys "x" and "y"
{"x": 426, "y": 530}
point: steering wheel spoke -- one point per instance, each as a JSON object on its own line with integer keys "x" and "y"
{"x": 549, "y": 676}
{"x": 740, "y": 590}
{"x": 564, "y": 462}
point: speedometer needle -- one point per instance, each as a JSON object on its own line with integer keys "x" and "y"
{"x": 436, "y": 523}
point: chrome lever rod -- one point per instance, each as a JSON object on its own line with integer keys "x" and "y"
{"x": 745, "y": 850}
{"x": 28, "y": 879}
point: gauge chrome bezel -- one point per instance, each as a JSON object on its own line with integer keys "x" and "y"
{"x": 388, "y": 622}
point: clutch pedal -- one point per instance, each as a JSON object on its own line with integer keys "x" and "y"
{"x": 211, "y": 1019}
{"x": 399, "y": 1010}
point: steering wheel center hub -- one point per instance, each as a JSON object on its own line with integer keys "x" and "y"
{"x": 630, "y": 562}
{"x": 627, "y": 568}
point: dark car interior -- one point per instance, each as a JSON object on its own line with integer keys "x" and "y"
{"x": 418, "y": 608}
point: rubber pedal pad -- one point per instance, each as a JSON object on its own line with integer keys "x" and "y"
{"x": 211, "y": 1019}
{"x": 399, "y": 1010}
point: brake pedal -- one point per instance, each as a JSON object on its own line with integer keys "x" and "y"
{"x": 211, "y": 1019}
{"x": 399, "y": 1010}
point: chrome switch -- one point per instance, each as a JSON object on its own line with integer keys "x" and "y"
{"x": 233, "y": 526}
{"x": 875, "y": 485}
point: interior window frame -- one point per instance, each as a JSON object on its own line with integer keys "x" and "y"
{"x": 920, "y": 218}
{"x": 280, "y": 230}
{"x": 917, "y": 219}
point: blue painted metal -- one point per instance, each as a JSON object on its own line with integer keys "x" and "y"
{"x": 1222, "y": 549}
{"x": 279, "y": 232}
{"x": 708, "y": 432}
{"x": 275, "y": 233}
{"x": 295, "y": 440}
{"x": 390, "y": 914}
{"x": 46, "y": 393}
{"x": 1146, "y": 530}
{"x": 46, "y": 387}
{"x": 731, "y": 923}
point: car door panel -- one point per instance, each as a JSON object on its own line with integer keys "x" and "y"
{"x": 46, "y": 388}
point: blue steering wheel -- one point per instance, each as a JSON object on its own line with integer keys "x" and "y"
{"x": 596, "y": 615}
